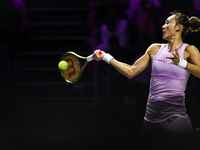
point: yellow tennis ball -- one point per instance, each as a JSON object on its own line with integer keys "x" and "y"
{"x": 62, "y": 65}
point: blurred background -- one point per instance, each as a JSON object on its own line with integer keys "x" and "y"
{"x": 104, "y": 110}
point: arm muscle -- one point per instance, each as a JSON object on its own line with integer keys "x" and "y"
{"x": 139, "y": 65}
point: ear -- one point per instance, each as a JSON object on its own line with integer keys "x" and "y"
{"x": 178, "y": 27}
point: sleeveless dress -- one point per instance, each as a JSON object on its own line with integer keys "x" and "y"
{"x": 167, "y": 87}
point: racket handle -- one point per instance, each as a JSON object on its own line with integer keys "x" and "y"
{"x": 89, "y": 58}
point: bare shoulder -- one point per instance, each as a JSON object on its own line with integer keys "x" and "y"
{"x": 153, "y": 49}
{"x": 155, "y": 45}
{"x": 191, "y": 53}
{"x": 191, "y": 49}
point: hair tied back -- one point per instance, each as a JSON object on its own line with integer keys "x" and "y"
{"x": 194, "y": 24}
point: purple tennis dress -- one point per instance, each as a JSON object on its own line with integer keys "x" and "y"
{"x": 166, "y": 121}
{"x": 167, "y": 87}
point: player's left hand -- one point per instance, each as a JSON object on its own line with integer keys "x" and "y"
{"x": 175, "y": 59}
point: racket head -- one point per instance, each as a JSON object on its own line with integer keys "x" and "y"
{"x": 75, "y": 66}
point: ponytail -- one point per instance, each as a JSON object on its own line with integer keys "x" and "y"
{"x": 190, "y": 25}
{"x": 194, "y": 24}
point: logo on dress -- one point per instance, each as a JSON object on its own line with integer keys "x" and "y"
{"x": 159, "y": 60}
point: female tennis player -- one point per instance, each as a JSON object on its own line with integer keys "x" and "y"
{"x": 172, "y": 64}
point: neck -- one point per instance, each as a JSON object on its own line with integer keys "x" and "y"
{"x": 174, "y": 43}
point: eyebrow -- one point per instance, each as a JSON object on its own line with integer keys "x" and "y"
{"x": 166, "y": 20}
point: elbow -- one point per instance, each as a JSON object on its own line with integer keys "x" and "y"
{"x": 129, "y": 75}
{"x": 198, "y": 76}
{"x": 196, "y": 72}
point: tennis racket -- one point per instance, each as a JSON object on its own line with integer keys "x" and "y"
{"x": 76, "y": 65}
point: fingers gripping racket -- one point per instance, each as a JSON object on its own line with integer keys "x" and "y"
{"x": 72, "y": 65}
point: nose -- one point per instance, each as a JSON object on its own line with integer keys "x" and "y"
{"x": 163, "y": 26}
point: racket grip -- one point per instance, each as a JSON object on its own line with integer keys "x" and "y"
{"x": 89, "y": 58}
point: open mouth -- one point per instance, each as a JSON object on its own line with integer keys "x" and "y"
{"x": 163, "y": 33}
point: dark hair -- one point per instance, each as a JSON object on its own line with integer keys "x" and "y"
{"x": 190, "y": 25}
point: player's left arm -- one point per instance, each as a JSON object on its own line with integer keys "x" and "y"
{"x": 193, "y": 59}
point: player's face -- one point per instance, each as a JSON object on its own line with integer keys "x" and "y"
{"x": 168, "y": 28}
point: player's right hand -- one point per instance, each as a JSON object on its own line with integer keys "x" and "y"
{"x": 96, "y": 55}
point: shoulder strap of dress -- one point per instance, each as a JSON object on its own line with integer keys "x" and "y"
{"x": 182, "y": 49}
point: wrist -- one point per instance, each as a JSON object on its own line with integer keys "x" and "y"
{"x": 182, "y": 63}
{"x": 107, "y": 57}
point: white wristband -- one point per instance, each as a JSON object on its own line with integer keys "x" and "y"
{"x": 182, "y": 64}
{"x": 107, "y": 57}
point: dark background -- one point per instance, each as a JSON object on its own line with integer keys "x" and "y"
{"x": 38, "y": 109}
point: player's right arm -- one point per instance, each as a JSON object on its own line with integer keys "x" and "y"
{"x": 131, "y": 71}
{"x": 139, "y": 65}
